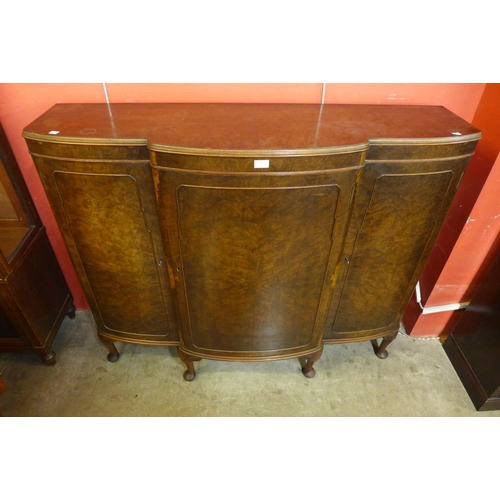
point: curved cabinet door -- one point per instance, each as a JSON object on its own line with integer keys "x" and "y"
{"x": 400, "y": 208}
{"x": 253, "y": 258}
{"x": 107, "y": 214}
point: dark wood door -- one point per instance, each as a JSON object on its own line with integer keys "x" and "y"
{"x": 254, "y": 257}
{"x": 107, "y": 214}
{"x": 399, "y": 210}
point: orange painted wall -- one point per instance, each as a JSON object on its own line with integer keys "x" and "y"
{"x": 469, "y": 239}
{"x": 22, "y": 103}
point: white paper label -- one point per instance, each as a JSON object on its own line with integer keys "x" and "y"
{"x": 261, "y": 164}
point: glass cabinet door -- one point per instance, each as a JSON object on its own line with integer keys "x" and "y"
{"x": 14, "y": 224}
{"x": 15, "y": 220}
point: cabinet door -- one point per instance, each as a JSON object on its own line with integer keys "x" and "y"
{"x": 253, "y": 258}
{"x": 107, "y": 214}
{"x": 399, "y": 211}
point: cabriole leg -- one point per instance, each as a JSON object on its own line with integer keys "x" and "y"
{"x": 71, "y": 311}
{"x": 110, "y": 345}
{"x": 307, "y": 362}
{"x": 381, "y": 350}
{"x": 188, "y": 360}
{"x": 2, "y": 388}
{"x": 50, "y": 358}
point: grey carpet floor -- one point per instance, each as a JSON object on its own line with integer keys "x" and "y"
{"x": 416, "y": 380}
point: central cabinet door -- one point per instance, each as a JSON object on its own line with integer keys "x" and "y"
{"x": 253, "y": 256}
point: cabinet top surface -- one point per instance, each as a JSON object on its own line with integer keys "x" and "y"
{"x": 244, "y": 127}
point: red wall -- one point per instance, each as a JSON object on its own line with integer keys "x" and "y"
{"x": 22, "y": 103}
{"x": 468, "y": 241}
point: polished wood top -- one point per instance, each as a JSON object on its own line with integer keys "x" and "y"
{"x": 284, "y": 128}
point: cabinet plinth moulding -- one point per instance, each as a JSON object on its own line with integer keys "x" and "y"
{"x": 34, "y": 296}
{"x": 249, "y": 232}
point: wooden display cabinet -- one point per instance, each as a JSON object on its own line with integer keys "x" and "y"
{"x": 34, "y": 297}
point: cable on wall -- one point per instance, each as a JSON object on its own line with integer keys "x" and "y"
{"x": 105, "y": 93}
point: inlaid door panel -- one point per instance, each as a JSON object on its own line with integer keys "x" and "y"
{"x": 402, "y": 214}
{"x": 254, "y": 259}
{"x": 109, "y": 220}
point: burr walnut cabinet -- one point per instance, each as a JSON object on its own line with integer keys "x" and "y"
{"x": 249, "y": 232}
{"x": 34, "y": 297}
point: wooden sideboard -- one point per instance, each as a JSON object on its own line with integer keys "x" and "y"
{"x": 249, "y": 232}
{"x": 34, "y": 296}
